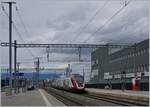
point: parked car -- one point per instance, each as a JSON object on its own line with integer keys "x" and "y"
{"x": 31, "y": 88}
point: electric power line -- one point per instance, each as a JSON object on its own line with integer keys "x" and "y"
{"x": 26, "y": 31}
{"x": 15, "y": 27}
{"x": 22, "y": 39}
{"x": 108, "y": 21}
{"x": 22, "y": 22}
{"x": 91, "y": 19}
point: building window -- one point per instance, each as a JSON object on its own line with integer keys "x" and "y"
{"x": 142, "y": 51}
{"x": 97, "y": 61}
{"x": 133, "y": 69}
{"x": 130, "y": 54}
{"x": 127, "y": 55}
{"x": 146, "y": 68}
{"x": 129, "y": 69}
{"x": 93, "y": 63}
{"x": 148, "y": 50}
{"x": 142, "y": 68}
{"x": 138, "y": 53}
{"x": 139, "y": 70}
{"x": 121, "y": 58}
{"x": 133, "y": 54}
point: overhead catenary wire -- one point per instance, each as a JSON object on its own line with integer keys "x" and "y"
{"x": 22, "y": 22}
{"x": 24, "y": 26}
{"x": 16, "y": 29}
{"x": 90, "y": 20}
{"x": 23, "y": 40}
{"x": 100, "y": 28}
{"x": 85, "y": 26}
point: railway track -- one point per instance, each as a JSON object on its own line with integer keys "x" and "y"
{"x": 66, "y": 101}
{"x": 67, "y": 98}
{"x": 91, "y": 99}
{"x": 118, "y": 99}
{"x": 63, "y": 98}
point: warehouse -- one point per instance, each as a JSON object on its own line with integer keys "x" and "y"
{"x": 119, "y": 66}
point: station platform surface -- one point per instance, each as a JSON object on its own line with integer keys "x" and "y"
{"x": 120, "y": 92}
{"x": 30, "y": 98}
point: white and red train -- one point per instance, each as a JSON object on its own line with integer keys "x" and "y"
{"x": 75, "y": 83}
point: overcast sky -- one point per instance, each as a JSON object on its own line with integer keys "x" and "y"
{"x": 61, "y": 21}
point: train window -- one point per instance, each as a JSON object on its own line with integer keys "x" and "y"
{"x": 79, "y": 78}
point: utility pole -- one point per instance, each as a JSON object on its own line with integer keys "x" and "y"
{"x": 47, "y": 50}
{"x": 17, "y": 79}
{"x": 15, "y": 62}
{"x": 79, "y": 49}
{"x": 37, "y": 68}
{"x": 134, "y": 66}
{"x": 83, "y": 75}
{"x": 10, "y": 45}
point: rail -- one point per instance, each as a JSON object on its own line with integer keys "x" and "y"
{"x": 122, "y": 100}
{"x": 94, "y": 99}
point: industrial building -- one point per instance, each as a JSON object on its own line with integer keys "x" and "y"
{"x": 118, "y": 67}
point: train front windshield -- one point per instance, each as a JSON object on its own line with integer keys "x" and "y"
{"x": 79, "y": 78}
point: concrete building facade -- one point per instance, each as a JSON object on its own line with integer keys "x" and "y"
{"x": 120, "y": 66}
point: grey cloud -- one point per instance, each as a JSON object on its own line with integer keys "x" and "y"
{"x": 131, "y": 27}
{"x": 76, "y": 14}
{"x": 57, "y": 25}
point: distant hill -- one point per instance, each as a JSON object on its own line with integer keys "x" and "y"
{"x": 29, "y": 75}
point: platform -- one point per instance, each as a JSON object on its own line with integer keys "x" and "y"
{"x": 30, "y": 98}
{"x": 120, "y": 92}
